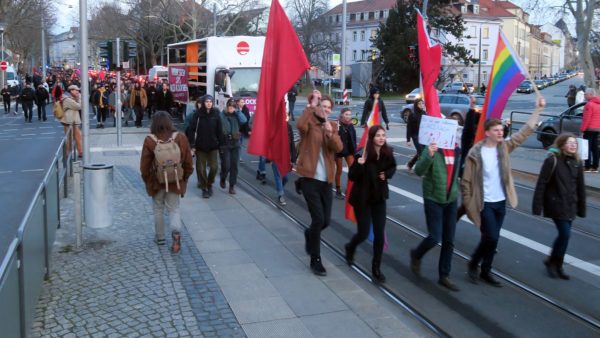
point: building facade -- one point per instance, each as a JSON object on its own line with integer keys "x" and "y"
{"x": 64, "y": 48}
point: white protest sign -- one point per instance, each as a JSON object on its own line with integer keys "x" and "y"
{"x": 583, "y": 149}
{"x": 439, "y": 130}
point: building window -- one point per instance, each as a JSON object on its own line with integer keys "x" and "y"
{"x": 337, "y": 18}
{"x": 362, "y": 35}
{"x": 485, "y": 32}
{"x": 354, "y": 55}
{"x": 484, "y": 73}
{"x": 362, "y": 16}
{"x": 484, "y": 54}
{"x": 354, "y": 35}
{"x": 371, "y": 15}
{"x": 353, "y": 17}
{"x": 463, "y": 9}
{"x": 475, "y": 9}
{"x": 386, "y": 13}
{"x": 381, "y": 15}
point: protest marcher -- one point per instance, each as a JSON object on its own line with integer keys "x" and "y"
{"x": 369, "y": 175}
{"x": 231, "y": 120}
{"x": 560, "y": 193}
{"x": 487, "y": 184}
{"x": 439, "y": 202}
{"x": 319, "y": 142}
{"x": 348, "y": 136}
{"x": 168, "y": 193}
{"x": 412, "y": 130}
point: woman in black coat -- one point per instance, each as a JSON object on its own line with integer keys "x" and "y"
{"x": 369, "y": 194}
{"x": 374, "y": 99}
{"x": 560, "y": 193}
{"x": 412, "y": 130}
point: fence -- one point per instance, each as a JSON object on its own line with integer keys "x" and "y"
{"x": 27, "y": 262}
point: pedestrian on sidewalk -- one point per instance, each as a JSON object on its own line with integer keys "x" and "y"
{"x": 291, "y": 96}
{"x": 560, "y": 193}
{"x": 319, "y": 142}
{"x": 138, "y": 101}
{"x": 374, "y": 102}
{"x": 369, "y": 175}
{"x": 348, "y": 136}
{"x": 205, "y": 135}
{"x": 487, "y": 183}
{"x": 412, "y": 130}
{"x": 162, "y": 129}
{"x": 103, "y": 105}
{"x": 439, "y": 203}
{"x": 41, "y": 97}
{"x": 571, "y": 94}
{"x": 27, "y": 97}
{"x": 590, "y": 126}
{"x": 6, "y": 99}
{"x": 229, "y": 151}
{"x": 71, "y": 105}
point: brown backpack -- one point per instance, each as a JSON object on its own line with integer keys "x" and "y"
{"x": 167, "y": 161}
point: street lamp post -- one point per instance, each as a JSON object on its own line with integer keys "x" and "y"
{"x": 343, "y": 69}
{"x": 85, "y": 85}
{"x": 2, "y": 51}
{"x": 43, "y": 50}
{"x": 479, "y": 62}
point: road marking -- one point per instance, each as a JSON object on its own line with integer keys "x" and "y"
{"x": 124, "y": 148}
{"x": 50, "y": 133}
{"x": 6, "y": 172}
{"x": 27, "y": 134}
{"x": 31, "y": 170}
{"x": 541, "y": 248}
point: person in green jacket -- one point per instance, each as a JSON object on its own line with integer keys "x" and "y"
{"x": 440, "y": 198}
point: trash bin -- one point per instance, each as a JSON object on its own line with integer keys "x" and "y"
{"x": 98, "y": 195}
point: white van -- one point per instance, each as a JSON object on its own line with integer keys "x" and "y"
{"x": 158, "y": 74}
{"x": 11, "y": 76}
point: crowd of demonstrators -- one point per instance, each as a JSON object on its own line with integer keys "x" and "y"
{"x": 369, "y": 174}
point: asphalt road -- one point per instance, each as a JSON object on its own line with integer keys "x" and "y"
{"x": 477, "y": 310}
{"x": 27, "y": 150}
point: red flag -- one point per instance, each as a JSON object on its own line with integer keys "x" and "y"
{"x": 283, "y": 63}
{"x": 430, "y": 59}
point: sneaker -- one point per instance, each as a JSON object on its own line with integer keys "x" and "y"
{"x": 488, "y": 278}
{"x": 445, "y": 282}
{"x": 339, "y": 195}
{"x": 281, "y": 200}
{"x": 316, "y": 266}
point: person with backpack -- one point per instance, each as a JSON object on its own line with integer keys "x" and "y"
{"x": 41, "y": 96}
{"x": 165, "y": 165}
{"x": 560, "y": 194}
{"x": 27, "y": 97}
{"x": 231, "y": 120}
{"x": 205, "y": 134}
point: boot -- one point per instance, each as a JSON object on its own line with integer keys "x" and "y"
{"x": 378, "y": 277}
{"x": 222, "y": 183}
{"x": 550, "y": 263}
{"x": 317, "y": 266}
{"x": 349, "y": 253}
{"x": 231, "y": 189}
{"x": 415, "y": 264}
{"x": 176, "y": 246}
{"x": 559, "y": 269}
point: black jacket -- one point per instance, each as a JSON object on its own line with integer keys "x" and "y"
{"x": 164, "y": 101}
{"x": 413, "y": 123}
{"x": 367, "y": 188}
{"x": 27, "y": 95}
{"x": 205, "y": 132}
{"x": 368, "y": 107}
{"x": 41, "y": 96}
{"x": 6, "y": 94}
{"x": 560, "y": 192}
{"x": 348, "y": 135}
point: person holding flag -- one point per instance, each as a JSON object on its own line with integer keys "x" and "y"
{"x": 374, "y": 106}
{"x": 369, "y": 174}
{"x": 487, "y": 184}
{"x": 319, "y": 142}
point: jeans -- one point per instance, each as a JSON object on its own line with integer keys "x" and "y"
{"x": 592, "y": 137}
{"x": 41, "y": 108}
{"x": 318, "y": 196}
{"x": 206, "y": 159}
{"x": 170, "y": 200}
{"x": 562, "y": 241}
{"x": 28, "y": 110}
{"x": 6, "y": 106}
{"x": 139, "y": 115}
{"x": 365, "y": 216}
{"x": 102, "y": 114}
{"x": 441, "y": 224}
{"x": 492, "y": 217}
{"x": 338, "y": 168}
{"x": 280, "y": 182}
{"x": 419, "y": 148}
{"x": 230, "y": 158}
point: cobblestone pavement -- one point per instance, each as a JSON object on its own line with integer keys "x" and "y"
{"x": 120, "y": 284}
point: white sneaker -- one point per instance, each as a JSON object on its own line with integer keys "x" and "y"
{"x": 281, "y": 200}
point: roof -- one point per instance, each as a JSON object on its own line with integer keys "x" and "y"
{"x": 487, "y": 8}
{"x": 363, "y": 6}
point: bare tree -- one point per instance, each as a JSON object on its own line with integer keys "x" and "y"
{"x": 583, "y": 12}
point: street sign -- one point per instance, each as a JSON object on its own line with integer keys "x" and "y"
{"x": 3, "y": 65}
{"x": 125, "y": 64}
{"x": 335, "y": 59}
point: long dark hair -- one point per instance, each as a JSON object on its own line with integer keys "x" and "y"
{"x": 416, "y": 108}
{"x": 161, "y": 125}
{"x": 384, "y": 152}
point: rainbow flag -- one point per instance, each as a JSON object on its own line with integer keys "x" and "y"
{"x": 507, "y": 74}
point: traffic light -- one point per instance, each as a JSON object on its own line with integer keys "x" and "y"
{"x": 332, "y": 70}
{"x": 107, "y": 52}
{"x": 412, "y": 55}
{"x": 129, "y": 50}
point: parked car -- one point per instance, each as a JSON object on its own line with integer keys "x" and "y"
{"x": 567, "y": 121}
{"x": 540, "y": 84}
{"x": 413, "y": 95}
{"x": 525, "y": 87}
{"x": 454, "y": 106}
{"x": 455, "y": 87}
{"x": 470, "y": 87}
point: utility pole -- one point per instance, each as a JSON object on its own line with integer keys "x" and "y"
{"x": 85, "y": 85}
{"x": 343, "y": 69}
{"x": 479, "y": 67}
{"x": 43, "y": 50}
{"x": 118, "y": 98}
{"x": 215, "y": 19}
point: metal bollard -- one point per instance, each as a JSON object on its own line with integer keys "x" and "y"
{"x": 77, "y": 169}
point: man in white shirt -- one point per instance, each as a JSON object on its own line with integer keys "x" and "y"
{"x": 487, "y": 184}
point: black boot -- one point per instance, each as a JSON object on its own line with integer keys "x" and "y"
{"x": 559, "y": 269}
{"x": 317, "y": 266}
{"x": 306, "y": 243}
{"x": 349, "y": 253}
{"x": 378, "y": 277}
{"x": 551, "y": 267}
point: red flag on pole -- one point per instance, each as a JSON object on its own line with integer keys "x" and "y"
{"x": 430, "y": 59}
{"x": 283, "y": 63}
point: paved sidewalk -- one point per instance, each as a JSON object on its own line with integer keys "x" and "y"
{"x": 242, "y": 271}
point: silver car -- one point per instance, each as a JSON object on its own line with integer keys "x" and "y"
{"x": 454, "y": 106}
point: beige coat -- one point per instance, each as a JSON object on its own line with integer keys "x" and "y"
{"x": 472, "y": 179}
{"x": 313, "y": 138}
{"x": 143, "y": 98}
{"x": 71, "y": 107}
